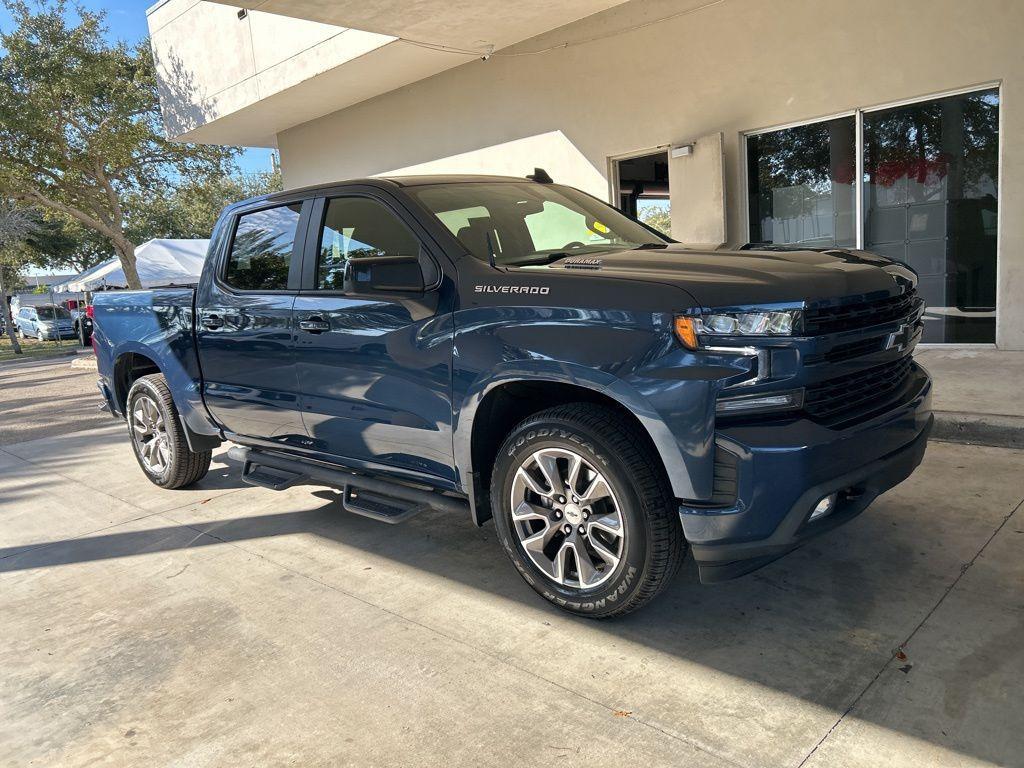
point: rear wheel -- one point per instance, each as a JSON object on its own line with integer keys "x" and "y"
{"x": 584, "y": 512}
{"x": 158, "y": 437}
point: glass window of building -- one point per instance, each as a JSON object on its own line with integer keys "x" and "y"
{"x": 929, "y": 198}
{"x": 931, "y": 201}
{"x": 800, "y": 184}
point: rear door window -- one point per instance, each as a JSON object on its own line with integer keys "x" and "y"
{"x": 262, "y": 248}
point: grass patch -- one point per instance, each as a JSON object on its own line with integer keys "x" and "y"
{"x": 33, "y": 349}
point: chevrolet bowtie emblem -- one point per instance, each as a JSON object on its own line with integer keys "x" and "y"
{"x": 900, "y": 338}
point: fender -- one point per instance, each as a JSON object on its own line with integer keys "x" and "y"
{"x": 202, "y": 434}
{"x": 534, "y": 371}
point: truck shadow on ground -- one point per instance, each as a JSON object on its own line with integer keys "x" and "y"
{"x": 818, "y": 625}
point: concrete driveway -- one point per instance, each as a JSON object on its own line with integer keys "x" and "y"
{"x": 229, "y": 625}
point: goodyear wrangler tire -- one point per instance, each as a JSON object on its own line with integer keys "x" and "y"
{"x": 584, "y": 511}
{"x": 158, "y": 437}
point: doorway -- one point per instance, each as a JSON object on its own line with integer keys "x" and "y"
{"x": 643, "y": 191}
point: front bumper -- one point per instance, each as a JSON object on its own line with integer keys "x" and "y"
{"x": 782, "y": 470}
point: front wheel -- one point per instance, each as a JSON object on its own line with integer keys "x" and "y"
{"x": 158, "y": 437}
{"x": 584, "y": 511}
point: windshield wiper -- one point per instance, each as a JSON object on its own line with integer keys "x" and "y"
{"x": 650, "y": 246}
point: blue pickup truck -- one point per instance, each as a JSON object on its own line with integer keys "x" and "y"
{"x": 518, "y": 350}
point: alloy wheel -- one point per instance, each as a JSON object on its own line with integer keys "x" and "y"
{"x": 567, "y": 518}
{"x": 150, "y": 435}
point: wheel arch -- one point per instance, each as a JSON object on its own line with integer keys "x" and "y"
{"x": 129, "y": 367}
{"x": 134, "y": 363}
{"x": 487, "y": 417}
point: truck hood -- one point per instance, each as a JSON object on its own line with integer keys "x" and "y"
{"x": 737, "y": 278}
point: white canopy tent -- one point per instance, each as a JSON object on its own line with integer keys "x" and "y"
{"x": 159, "y": 262}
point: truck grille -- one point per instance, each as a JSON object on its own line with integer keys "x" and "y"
{"x": 833, "y": 400}
{"x": 864, "y": 314}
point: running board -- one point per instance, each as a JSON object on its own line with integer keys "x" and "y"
{"x": 377, "y": 506}
{"x": 384, "y": 500}
{"x": 268, "y": 477}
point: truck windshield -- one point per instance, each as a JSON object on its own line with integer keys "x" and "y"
{"x": 51, "y": 313}
{"x": 529, "y": 223}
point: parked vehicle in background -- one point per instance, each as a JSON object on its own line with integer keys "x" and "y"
{"x": 517, "y": 349}
{"x": 43, "y": 322}
{"x": 83, "y": 325}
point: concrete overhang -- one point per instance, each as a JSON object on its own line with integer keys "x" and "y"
{"x": 234, "y": 76}
{"x": 467, "y": 24}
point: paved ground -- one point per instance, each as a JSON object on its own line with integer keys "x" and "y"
{"x": 39, "y": 398}
{"x": 977, "y": 395}
{"x": 982, "y": 381}
{"x": 228, "y": 625}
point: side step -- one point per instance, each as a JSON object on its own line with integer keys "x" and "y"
{"x": 384, "y": 500}
{"x": 376, "y": 506}
{"x": 269, "y": 477}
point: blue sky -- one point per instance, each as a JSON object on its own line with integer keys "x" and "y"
{"x": 126, "y": 20}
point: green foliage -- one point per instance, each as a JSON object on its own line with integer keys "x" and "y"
{"x": 191, "y": 209}
{"x": 659, "y": 217}
{"x": 80, "y": 125}
{"x": 62, "y": 243}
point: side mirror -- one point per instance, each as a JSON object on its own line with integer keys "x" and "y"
{"x": 397, "y": 274}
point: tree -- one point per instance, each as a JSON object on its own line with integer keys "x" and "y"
{"x": 16, "y": 225}
{"x": 192, "y": 208}
{"x": 657, "y": 216}
{"x": 80, "y": 125}
{"x": 187, "y": 211}
{"x": 61, "y": 243}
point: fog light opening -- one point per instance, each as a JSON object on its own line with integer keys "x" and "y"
{"x": 823, "y": 507}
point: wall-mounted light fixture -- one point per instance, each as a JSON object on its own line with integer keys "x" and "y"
{"x": 683, "y": 150}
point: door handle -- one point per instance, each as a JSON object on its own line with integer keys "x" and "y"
{"x": 212, "y": 321}
{"x": 314, "y": 324}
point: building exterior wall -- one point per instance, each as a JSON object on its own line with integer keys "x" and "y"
{"x": 732, "y": 66}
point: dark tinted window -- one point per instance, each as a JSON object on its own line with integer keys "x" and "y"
{"x": 801, "y": 185}
{"x": 48, "y": 313}
{"x": 261, "y": 253}
{"x": 357, "y": 228}
{"x": 931, "y": 192}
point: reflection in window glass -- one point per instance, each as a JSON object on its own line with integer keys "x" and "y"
{"x": 555, "y": 226}
{"x": 931, "y": 201}
{"x": 356, "y": 228}
{"x": 801, "y": 185}
{"x": 521, "y": 223}
{"x": 261, "y": 252}
{"x": 462, "y": 217}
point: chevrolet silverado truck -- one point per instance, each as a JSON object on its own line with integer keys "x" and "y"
{"x": 516, "y": 349}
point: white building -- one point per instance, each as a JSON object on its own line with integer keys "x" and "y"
{"x": 754, "y": 118}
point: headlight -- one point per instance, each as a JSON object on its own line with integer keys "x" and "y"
{"x": 769, "y": 322}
